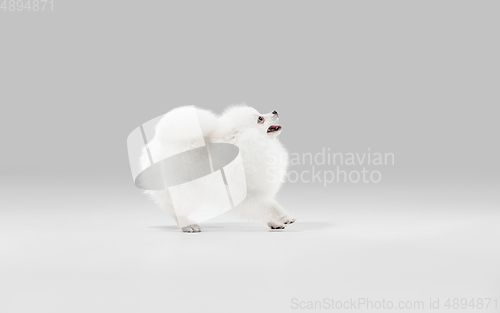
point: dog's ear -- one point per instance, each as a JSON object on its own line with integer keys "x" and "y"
{"x": 231, "y": 135}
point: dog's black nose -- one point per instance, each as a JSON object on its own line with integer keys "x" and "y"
{"x": 275, "y": 112}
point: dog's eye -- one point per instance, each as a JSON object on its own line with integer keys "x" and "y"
{"x": 260, "y": 120}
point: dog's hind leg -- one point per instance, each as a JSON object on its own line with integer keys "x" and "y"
{"x": 195, "y": 228}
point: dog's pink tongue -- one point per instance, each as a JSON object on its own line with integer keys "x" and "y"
{"x": 273, "y": 128}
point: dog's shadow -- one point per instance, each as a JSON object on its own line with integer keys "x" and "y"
{"x": 250, "y": 227}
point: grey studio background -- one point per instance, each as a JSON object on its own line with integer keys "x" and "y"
{"x": 416, "y": 79}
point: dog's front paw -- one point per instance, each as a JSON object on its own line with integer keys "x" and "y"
{"x": 287, "y": 219}
{"x": 191, "y": 229}
{"x": 274, "y": 225}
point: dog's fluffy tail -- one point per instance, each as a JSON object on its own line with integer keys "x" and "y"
{"x": 179, "y": 131}
{"x": 179, "y": 125}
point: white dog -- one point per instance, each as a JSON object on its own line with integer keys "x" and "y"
{"x": 264, "y": 157}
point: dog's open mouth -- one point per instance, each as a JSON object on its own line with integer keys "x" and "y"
{"x": 274, "y": 128}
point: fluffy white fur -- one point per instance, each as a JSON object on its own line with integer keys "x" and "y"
{"x": 264, "y": 157}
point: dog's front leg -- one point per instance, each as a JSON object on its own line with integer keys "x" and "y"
{"x": 277, "y": 217}
{"x": 266, "y": 210}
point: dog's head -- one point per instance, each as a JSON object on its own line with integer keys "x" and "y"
{"x": 244, "y": 121}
